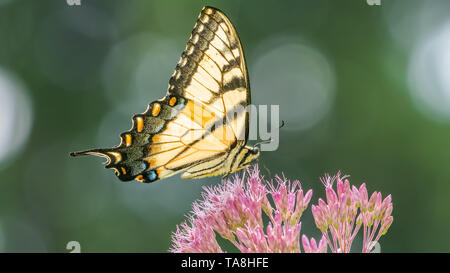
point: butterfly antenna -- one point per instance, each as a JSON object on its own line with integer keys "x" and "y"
{"x": 263, "y": 142}
{"x": 270, "y": 139}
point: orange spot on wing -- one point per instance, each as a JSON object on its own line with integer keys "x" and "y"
{"x": 156, "y": 109}
{"x": 172, "y": 101}
{"x": 140, "y": 178}
{"x": 128, "y": 140}
{"x": 117, "y": 156}
{"x": 123, "y": 170}
{"x": 151, "y": 162}
{"x": 140, "y": 124}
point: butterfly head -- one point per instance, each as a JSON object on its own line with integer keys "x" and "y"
{"x": 248, "y": 154}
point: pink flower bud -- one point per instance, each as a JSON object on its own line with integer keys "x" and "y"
{"x": 386, "y": 225}
{"x": 290, "y": 204}
{"x": 331, "y": 196}
{"x": 387, "y": 200}
{"x": 388, "y": 211}
{"x": 322, "y": 247}
{"x": 307, "y": 198}
{"x": 363, "y": 197}
{"x": 372, "y": 201}
{"x": 310, "y": 246}
{"x": 299, "y": 204}
{"x": 356, "y": 197}
{"x": 319, "y": 218}
{"x": 306, "y": 245}
{"x": 340, "y": 187}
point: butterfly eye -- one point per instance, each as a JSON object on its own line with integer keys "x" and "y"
{"x": 255, "y": 150}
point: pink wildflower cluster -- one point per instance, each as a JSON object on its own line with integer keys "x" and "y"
{"x": 261, "y": 216}
{"x": 349, "y": 208}
{"x": 235, "y": 209}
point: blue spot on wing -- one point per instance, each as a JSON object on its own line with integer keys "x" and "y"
{"x": 152, "y": 176}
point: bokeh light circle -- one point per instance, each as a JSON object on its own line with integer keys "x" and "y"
{"x": 136, "y": 71}
{"x": 428, "y": 77}
{"x": 409, "y": 22}
{"x": 295, "y": 76}
{"x": 70, "y": 46}
{"x": 15, "y": 115}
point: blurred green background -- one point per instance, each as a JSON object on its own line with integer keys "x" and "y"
{"x": 363, "y": 89}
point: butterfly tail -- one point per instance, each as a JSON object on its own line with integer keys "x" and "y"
{"x": 96, "y": 152}
{"x": 116, "y": 160}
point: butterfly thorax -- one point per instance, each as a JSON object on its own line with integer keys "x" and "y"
{"x": 243, "y": 158}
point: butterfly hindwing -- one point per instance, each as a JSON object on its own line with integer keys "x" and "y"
{"x": 201, "y": 126}
{"x": 128, "y": 158}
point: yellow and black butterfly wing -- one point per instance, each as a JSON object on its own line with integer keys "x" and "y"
{"x": 199, "y": 127}
{"x": 220, "y": 85}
